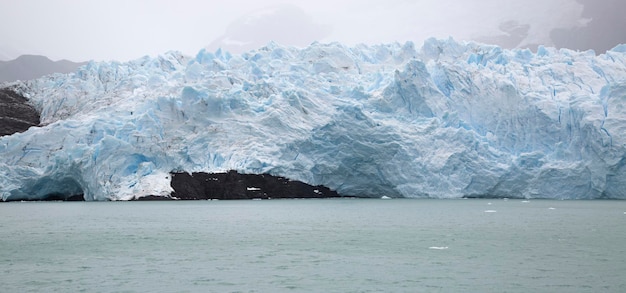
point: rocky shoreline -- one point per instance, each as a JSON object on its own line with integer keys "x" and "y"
{"x": 234, "y": 185}
{"x": 225, "y": 186}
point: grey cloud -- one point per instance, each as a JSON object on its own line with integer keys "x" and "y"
{"x": 285, "y": 24}
{"x": 603, "y": 32}
{"x": 513, "y": 33}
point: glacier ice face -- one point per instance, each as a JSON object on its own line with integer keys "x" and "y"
{"x": 446, "y": 120}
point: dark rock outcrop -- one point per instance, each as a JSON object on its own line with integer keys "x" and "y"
{"x": 152, "y": 198}
{"x": 16, "y": 115}
{"x": 61, "y": 197}
{"x": 233, "y": 185}
{"x": 230, "y": 185}
{"x": 52, "y": 197}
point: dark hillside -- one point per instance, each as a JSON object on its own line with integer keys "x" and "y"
{"x": 16, "y": 115}
{"x": 28, "y": 67}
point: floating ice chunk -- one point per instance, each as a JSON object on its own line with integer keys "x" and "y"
{"x": 253, "y": 188}
{"x": 438, "y": 247}
{"x": 525, "y": 201}
{"x": 385, "y": 197}
{"x": 552, "y": 208}
{"x": 490, "y": 211}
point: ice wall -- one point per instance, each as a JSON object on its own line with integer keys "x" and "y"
{"x": 446, "y": 120}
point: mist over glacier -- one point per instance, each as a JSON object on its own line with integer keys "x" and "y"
{"x": 446, "y": 120}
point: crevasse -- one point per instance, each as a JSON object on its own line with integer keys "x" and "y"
{"x": 446, "y": 120}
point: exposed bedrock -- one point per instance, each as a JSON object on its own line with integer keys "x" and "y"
{"x": 224, "y": 186}
{"x": 51, "y": 197}
{"x": 16, "y": 115}
{"x": 233, "y": 185}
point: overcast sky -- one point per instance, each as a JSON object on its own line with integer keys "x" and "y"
{"x": 127, "y": 29}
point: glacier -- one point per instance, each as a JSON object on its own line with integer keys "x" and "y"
{"x": 447, "y": 120}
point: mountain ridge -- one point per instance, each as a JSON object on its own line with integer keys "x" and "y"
{"x": 27, "y": 67}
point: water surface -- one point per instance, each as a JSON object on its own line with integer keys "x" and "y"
{"x": 333, "y": 245}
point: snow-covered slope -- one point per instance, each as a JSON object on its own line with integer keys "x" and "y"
{"x": 445, "y": 120}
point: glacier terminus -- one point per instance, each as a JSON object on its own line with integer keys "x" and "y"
{"x": 447, "y": 120}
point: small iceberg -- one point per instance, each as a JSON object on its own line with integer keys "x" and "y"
{"x": 490, "y": 211}
{"x": 552, "y": 208}
{"x": 385, "y": 197}
{"x": 438, "y": 247}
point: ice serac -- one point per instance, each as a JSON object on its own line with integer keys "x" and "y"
{"x": 445, "y": 120}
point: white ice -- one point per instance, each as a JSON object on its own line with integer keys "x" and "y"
{"x": 446, "y": 120}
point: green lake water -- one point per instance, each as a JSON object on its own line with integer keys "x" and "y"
{"x": 331, "y": 245}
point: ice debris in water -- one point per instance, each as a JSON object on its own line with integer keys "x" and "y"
{"x": 446, "y": 120}
{"x": 438, "y": 247}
